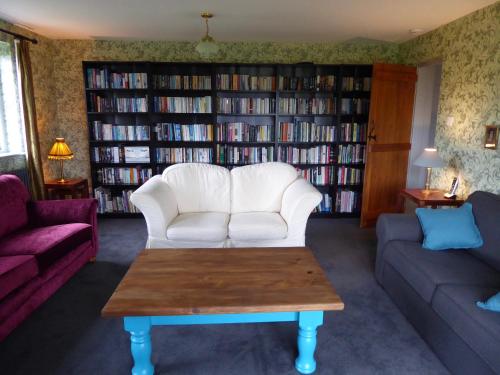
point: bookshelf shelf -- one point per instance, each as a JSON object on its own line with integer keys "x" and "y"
{"x": 345, "y": 87}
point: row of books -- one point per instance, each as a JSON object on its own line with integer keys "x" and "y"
{"x": 325, "y": 206}
{"x": 349, "y": 176}
{"x": 129, "y": 80}
{"x": 123, "y": 176}
{"x": 99, "y": 103}
{"x": 352, "y": 132}
{"x": 314, "y": 155}
{"x": 120, "y": 154}
{"x": 347, "y": 201}
{"x": 182, "y": 82}
{"x": 245, "y": 82}
{"x": 319, "y": 175}
{"x": 315, "y": 106}
{"x": 184, "y": 155}
{"x": 246, "y": 105}
{"x": 184, "y": 132}
{"x": 173, "y": 104}
{"x": 356, "y": 106}
{"x": 112, "y": 132}
{"x": 351, "y": 154}
{"x": 244, "y": 155}
{"x": 243, "y": 132}
{"x": 356, "y": 83}
{"x": 108, "y": 203}
{"x": 303, "y": 131}
{"x": 97, "y": 78}
{"x": 317, "y": 82}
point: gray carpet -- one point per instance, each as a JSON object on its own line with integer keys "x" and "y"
{"x": 67, "y": 336}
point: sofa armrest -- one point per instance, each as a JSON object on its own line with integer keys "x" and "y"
{"x": 395, "y": 227}
{"x": 55, "y": 212}
{"x": 157, "y": 202}
{"x": 299, "y": 200}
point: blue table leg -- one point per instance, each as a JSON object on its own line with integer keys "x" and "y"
{"x": 140, "y": 344}
{"x": 308, "y": 322}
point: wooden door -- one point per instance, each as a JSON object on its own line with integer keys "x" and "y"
{"x": 389, "y": 131}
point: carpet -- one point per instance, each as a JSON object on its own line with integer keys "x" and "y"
{"x": 67, "y": 336}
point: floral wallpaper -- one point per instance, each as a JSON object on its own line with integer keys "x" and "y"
{"x": 68, "y": 76}
{"x": 470, "y": 92}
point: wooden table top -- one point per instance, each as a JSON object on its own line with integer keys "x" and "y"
{"x": 430, "y": 196}
{"x": 222, "y": 281}
{"x": 69, "y": 182}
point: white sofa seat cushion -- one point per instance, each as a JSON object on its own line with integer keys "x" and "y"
{"x": 257, "y": 226}
{"x": 199, "y": 226}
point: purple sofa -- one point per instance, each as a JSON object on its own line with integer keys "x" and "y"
{"x": 42, "y": 244}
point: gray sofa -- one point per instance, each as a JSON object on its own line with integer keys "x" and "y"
{"x": 437, "y": 290}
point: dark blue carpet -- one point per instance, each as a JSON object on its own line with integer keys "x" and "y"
{"x": 67, "y": 335}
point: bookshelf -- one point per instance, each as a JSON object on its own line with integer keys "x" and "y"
{"x": 144, "y": 116}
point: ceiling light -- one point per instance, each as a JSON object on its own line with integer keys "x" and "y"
{"x": 207, "y": 47}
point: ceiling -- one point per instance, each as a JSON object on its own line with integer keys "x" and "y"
{"x": 255, "y": 20}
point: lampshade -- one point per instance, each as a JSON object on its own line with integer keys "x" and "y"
{"x": 430, "y": 159}
{"x": 60, "y": 150}
{"x": 207, "y": 47}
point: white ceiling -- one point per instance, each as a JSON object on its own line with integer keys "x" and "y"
{"x": 254, "y": 20}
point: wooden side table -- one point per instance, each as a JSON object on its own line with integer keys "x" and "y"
{"x": 76, "y": 187}
{"x": 433, "y": 198}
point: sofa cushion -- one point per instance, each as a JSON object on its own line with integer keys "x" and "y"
{"x": 480, "y": 329}
{"x": 424, "y": 270}
{"x": 199, "y": 187}
{"x": 257, "y": 226}
{"x": 15, "y": 271}
{"x": 47, "y": 244}
{"x": 199, "y": 226}
{"x": 13, "y": 199}
{"x": 486, "y": 209}
{"x": 260, "y": 187}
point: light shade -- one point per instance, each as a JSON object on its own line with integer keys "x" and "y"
{"x": 430, "y": 159}
{"x": 60, "y": 150}
{"x": 207, "y": 47}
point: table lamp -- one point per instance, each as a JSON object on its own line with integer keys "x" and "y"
{"x": 60, "y": 151}
{"x": 429, "y": 159}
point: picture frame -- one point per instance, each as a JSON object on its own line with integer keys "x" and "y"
{"x": 491, "y": 137}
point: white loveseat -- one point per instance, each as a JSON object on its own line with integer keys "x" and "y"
{"x": 203, "y": 205}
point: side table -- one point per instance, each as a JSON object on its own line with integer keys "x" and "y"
{"x": 76, "y": 187}
{"x": 433, "y": 198}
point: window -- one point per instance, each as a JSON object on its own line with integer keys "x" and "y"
{"x": 11, "y": 122}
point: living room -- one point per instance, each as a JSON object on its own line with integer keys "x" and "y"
{"x": 233, "y": 187}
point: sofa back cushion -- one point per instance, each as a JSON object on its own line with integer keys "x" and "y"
{"x": 260, "y": 187}
{"x": 199, "y": 187}
{"x": 486, "y": 209}
{"x": 13, "y": 208}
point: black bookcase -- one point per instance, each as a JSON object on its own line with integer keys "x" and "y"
{"x": 294, "y": 108}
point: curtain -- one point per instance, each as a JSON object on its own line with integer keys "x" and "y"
{"x": 34, "y": 161}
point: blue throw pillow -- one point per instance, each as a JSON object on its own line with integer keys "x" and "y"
{"x": 452, "y": 228}
{"x": 492, "y": 304}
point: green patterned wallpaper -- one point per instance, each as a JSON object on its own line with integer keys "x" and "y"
{"x": 68, "y": 78}
{"x": 470, "y": 92}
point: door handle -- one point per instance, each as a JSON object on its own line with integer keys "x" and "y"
{"x": 371, "y": 136}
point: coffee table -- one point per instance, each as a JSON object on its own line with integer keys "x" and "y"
{"x": 216, "y": 286}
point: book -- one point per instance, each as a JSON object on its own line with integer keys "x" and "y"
{"x": 136, "y": 154}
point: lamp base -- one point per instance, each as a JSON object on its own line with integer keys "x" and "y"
{"x": 428, "y": 179}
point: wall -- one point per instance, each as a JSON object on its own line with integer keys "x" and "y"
{"x": 68, "y": 78}
{"x": 470, "y": 92}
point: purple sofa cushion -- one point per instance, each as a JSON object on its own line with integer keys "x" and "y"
{"x": 15, "y": 271}
{"x": 47, "y": 244}
{"x": 13, "y": 199}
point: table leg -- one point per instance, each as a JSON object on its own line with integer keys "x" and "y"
{"x": 140, "y": 344}
{"x": 308, "y": 323}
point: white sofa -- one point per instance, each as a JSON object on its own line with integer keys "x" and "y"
{"x": 204, "y": 205}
